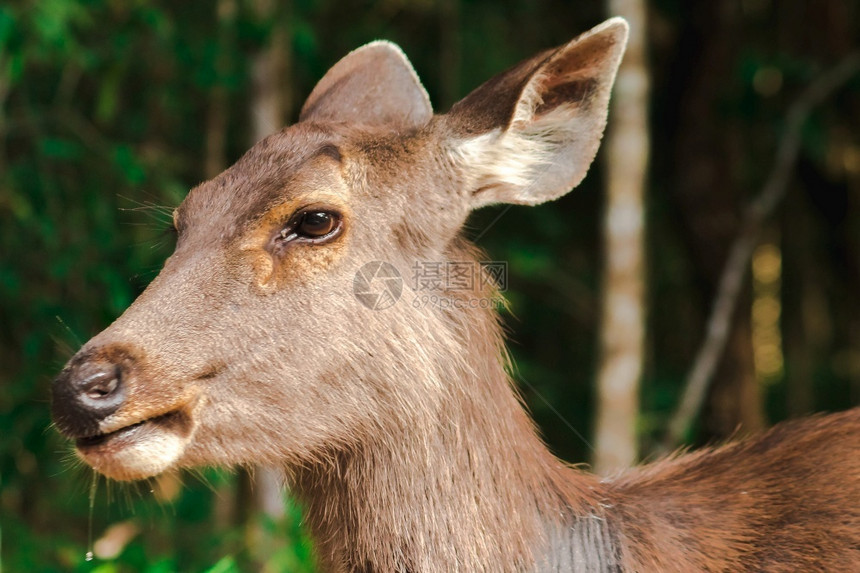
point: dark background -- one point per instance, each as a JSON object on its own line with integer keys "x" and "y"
{"x": 105, "y": 111}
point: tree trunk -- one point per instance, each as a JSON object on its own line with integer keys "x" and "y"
{"x": 271, "y": 101}
{"x": 218, "y": 116}
{"x": 623, "y": 311}
{"x": 450, "y": 56}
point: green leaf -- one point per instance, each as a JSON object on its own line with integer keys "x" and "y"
{"x": 225, "y": 565}
{"x": 60, "y": 148}
{"x": 126, "y": 160}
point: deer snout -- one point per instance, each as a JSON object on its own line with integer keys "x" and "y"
{"x": 85, "y": 393}
{"x": 124, "y": 425}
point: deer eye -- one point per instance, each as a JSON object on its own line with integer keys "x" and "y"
{"x": 315, "y": 224}
{"x": 310, "y": 226}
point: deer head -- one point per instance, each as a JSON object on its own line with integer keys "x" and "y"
{"x": 251, "y": 347}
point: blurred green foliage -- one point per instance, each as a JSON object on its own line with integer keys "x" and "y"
{"x": 103, "y": 108}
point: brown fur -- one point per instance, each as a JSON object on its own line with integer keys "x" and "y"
{"x": 400, "y": 428}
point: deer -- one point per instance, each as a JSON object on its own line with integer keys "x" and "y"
{"x": 399, "y": 426}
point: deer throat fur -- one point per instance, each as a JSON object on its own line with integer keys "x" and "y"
{"x": 466, "y": 485}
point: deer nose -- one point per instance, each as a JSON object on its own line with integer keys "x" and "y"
{"x": 100, "y": 389}
{"x": 84, "y": 394}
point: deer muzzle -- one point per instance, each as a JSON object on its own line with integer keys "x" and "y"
{"x": 123, "y": 425}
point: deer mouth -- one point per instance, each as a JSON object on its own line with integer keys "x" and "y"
{"x": 141, "y": 449}
{"x": 177, "y": 419}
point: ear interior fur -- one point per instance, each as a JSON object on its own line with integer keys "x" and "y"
{"x": 515, "y": 166}
{"x": 542, "y": 146}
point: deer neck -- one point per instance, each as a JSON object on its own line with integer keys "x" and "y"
{"x": 470, "y": 488}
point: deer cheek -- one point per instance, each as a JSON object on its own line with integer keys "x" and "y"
{"x": 298, "y": 264}
{"x": 305, "y": 264}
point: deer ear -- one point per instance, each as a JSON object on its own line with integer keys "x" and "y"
{"x": 529, "y": 134}
{"x": 373, "y": 85}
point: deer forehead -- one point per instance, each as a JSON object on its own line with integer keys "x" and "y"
{"x": 303, "y": 165}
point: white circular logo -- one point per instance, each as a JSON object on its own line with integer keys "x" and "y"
{"x": 377, "y": 285}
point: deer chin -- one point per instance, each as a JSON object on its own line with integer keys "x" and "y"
{"x": 139, "y": 450}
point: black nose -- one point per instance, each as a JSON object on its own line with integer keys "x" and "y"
{"x": 87, "y": 391}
